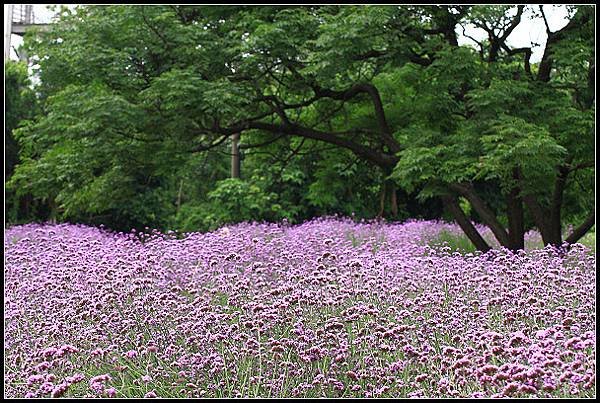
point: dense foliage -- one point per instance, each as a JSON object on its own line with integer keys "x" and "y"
{"x": 328, "y": 308}
{"x": 20, "y": 103}
{"x": 371, "y": 110}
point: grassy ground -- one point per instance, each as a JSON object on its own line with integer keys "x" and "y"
{"x": 457, "y": 243}
{"x": 460, "y": 242}
{"x": 589, "y": 240}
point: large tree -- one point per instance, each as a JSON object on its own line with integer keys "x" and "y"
{"x": 527, "y": 127}
{"x": 390, "y": 84}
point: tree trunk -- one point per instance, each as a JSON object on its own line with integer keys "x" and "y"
{"x": 548, "y": 221}
{"x": 539, "y": 217}
{"x": 515, "y": 214}
{"x": 393, "y": 200}
{"x": 451, "y": 204}
{"x": 487, "y": 215}
{"x": 382, "y": 199}
{"x": 179, "y": 195}
{"x": 53, "y": 211}
{"x": 555, "y": 227}
{"x": 26, "y": 200}
{"x": 516, "y": 227}
{"x": 235, "y": 156}
{"x": 388, "y": 189}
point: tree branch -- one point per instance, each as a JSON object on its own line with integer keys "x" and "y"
{"x": 581, "y": 17}
{"x": 380, "y": 159}
{"x": 527, "y": 56}
{"x": 545, "y": 20}
{"x": 276, "y": 107}
{"x": 370, "y": 54}
{"x": 539, "y": 216}
{"x": 214, "y": 144}
{"x": 418, "y": 59}
{"x": 372, "y": 91}
{"x": 480, "y": 44}
{"x": 486, "y": 214}
{"x": 132, "y": 137}
{"x": 556, "y": 205}
{"x": 583, "y": 165}
{"x": 513, "y": 24}
{"x": 156, "y": 31}
{"x": 351, "y": 92}
{"x": 580, "y": 231}
{"x": 465, "y": 224}
{"x": 446, "y": 23}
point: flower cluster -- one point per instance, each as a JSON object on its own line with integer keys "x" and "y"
{"x": 327, "y": 308}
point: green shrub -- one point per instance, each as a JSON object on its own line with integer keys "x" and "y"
{"x": 232, "y": 201}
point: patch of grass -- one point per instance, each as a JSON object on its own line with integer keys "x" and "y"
{"x": 354, "y": 239}
{"x": 221, "y": 298}
{"x": 456, "y": 243}
{"x": 589, "y": 240}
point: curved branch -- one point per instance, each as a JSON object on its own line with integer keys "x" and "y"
{"x": 486, "y": 214}
{"x": 480, "y": 44}
{"x": 373, "y": 93}
{"x": 465, "y": 224}
{"x": 581, "y": 17}
{"x": 344, "y": 95}
{"x": 497, "y": 40}
{"x": 214, "y": 144}
{"x": 548, "y": 31}
{"x": 527, "y": 56}
{"x": 380, "y": 159}
{"x": 513, "y": 24}
{"x": 583, "y": 228}
{"x": 416, "y": 58}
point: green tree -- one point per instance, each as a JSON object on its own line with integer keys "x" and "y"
{"x": 527, "y": 128}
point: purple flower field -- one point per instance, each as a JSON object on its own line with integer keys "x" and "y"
{"x": 327, "y": 308}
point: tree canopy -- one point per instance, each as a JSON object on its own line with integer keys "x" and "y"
{"x": 339, "y": 109}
